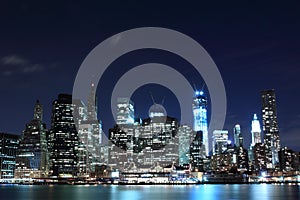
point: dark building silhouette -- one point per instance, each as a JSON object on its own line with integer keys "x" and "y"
{"x": 63, "y": 138}
{"x": 32, "y": 153}
{"x": 197, "y": 152}
{"x": 8, "y": 148}
{"x": 289, "y": 160}
{"x": 259, "y": 154}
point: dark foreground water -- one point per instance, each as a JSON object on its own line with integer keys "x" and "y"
{"x": 113, "y": 192}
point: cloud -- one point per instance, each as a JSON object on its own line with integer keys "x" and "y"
{"x": 14, "y": 64}
{"x": 13, "y": 60}
{"x": 33, "y": 68}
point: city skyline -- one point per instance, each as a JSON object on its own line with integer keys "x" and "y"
{"x": 252, "y": 52}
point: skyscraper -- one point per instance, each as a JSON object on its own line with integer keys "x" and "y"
{"x": 220, "y": 141}
{"x": 32, "y": 153}
{"x": 185, "y": 134}
{"x": 152, "y": 143}
{"x": 125, "y": 111}
{"x": 255, "y": 131}
{"x": 199, "y": 107}
{"x": 238, "y": 137}
{"x": 196, "y": 152}
{"x": 8, "y": 147}
{"x": 270, "y": 128}
{"x": 63, "y": 138}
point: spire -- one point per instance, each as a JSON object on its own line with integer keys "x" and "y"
{"x": 38, "y": 111}
{"x": 255, "y": 117}
{"x": 92, "y": 103}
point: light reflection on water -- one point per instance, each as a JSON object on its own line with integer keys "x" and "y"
{"x": 114, "y": 192}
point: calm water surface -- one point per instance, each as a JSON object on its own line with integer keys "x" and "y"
{"x": 113, "y": 192}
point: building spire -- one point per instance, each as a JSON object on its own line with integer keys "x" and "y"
{"x": 38, "y": 111}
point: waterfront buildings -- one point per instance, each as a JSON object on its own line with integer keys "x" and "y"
{"x": 153, "y": 143}
{"x": 270, "y": 128}
{"x": 8, "y": 148}
{"x": 32, "y": 154}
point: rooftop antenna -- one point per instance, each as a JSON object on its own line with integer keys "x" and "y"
{"x": 152, "y": 98}
{"x": 163, "y": 100}
{"x": 203, "y": 86}
{"x": 195, "y": 88}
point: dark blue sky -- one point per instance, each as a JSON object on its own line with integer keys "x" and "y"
{"x": 256, "y": 46}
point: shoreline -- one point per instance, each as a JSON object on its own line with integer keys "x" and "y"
{"x": 150, "y": 184}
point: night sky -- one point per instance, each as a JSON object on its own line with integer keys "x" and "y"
{"x": 255, "y": 46}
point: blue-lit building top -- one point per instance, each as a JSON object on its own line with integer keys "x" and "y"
{"x": 200, "y": 116}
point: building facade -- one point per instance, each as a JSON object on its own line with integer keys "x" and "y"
{"x": 270, "y": 128}
{"x": 220, "y": 141}
{"x": 32, "y": 159}
{"x": 125, "y": 111}
{"x": 8, "y": 149}
{"x": 255, "y": 131}
{"x": 238, "y": 137}
{"x": 63, "y": 138}
{"x": 199, "y": 107}
{"x": 185, "y": 136}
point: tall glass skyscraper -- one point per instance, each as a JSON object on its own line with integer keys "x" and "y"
{"x": 270, "y": 128}
{"x": 199, "y": 106}
{"x": 185, "y": 134}
{"x": 63, "y": 138}
{"x": 32, "y": 153}
{"x": 255, "y": 131}
{"x": 238, "y": 138}
{"x": 8, "y": 147}
{"x": 220, "y": 141}
{"x": 125, "y": 111}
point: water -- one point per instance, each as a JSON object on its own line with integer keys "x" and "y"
{"x": 114, "y": 192}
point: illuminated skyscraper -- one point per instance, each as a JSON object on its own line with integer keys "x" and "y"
{"x": 197, "y": 153}
{"x": 125, "y": 111}
{"x": 185, "y": 134}
{"x": 8, "y": 147}
{"x": 238, "y": 138}
{"x": 200, "y": 117}
{"x": 255, "y": 131}
{"x": 270, "y": 128}
{"x": 63, "y": 138}
{"x": 32, "y": 153}
{"x": 220, "y": 141}
{"x": 92, "y": 104}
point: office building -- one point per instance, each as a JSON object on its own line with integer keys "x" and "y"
{"x": 185, "y": 136}
{"x": 125, "y": 111}
{"x": 197, "y": 152}
{"x": 8, "y": 149}
{"x": 199, "y": 107}
{"x": 220, "y": 141}
{"x": 270, "y": 128}
{"x": 63, "y": 138}
{"x": 238, "y": 137}
{"x": 255, "y": 131}
{"x": 259, "y": 154}
{"x": 32, "y": 154}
